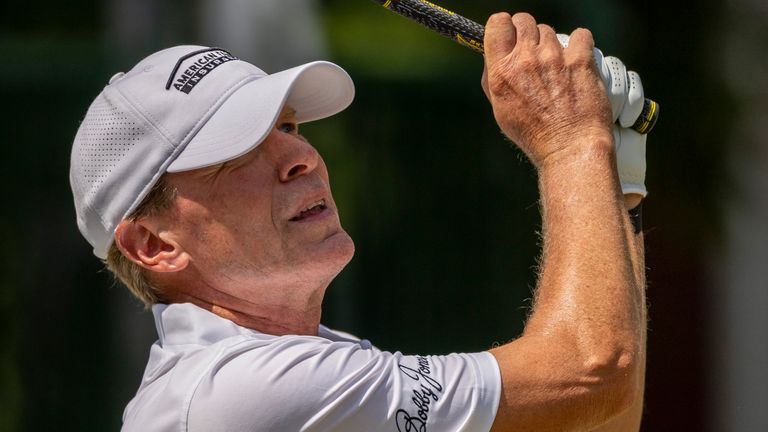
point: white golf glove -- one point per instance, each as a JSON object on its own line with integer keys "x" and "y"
{"x": 625, "y": 91}
{"x": 630, "y": 159}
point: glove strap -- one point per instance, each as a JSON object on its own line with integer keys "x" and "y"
{"x": 636, "y": 217}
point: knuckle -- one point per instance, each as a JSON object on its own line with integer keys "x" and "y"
{"x": 544, "y": 28}
{"x": 551, "y": 57}
{"x": 550, "y": 51}
{"x": 499, "y": 16}
{"x": 522, "y": 17}
{"x": 582, "y": 32}
{"x": 498, "y": 81}
{"x": 582, "y": 61}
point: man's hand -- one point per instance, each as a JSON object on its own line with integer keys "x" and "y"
{"x": 625, "y": 93}
{"x": 543, "y": 94}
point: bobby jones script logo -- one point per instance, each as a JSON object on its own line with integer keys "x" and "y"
{"x": 428, "y": 392}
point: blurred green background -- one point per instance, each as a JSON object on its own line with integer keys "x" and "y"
{"x": 443, "y": 210}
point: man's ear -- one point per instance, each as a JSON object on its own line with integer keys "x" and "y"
{"x": 139, "y": 243}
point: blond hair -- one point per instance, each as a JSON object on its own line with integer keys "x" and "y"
{"x": 132, "y": 275}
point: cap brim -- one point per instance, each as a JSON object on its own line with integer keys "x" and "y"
{"x": 315, "y": 90}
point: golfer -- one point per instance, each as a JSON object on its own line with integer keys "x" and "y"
{"x": 192, "y": 181}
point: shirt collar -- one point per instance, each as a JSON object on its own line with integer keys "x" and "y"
{"x": 185, "y": 323}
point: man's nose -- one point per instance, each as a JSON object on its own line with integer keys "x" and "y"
{"x": 299, "y": 158}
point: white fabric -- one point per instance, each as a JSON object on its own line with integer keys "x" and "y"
{"x": 630, "y": 157}
{"x": 206, "y": 373}
{"x": 635, "y": 100}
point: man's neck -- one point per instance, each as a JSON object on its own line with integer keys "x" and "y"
{"x": 276, "y": 311}
{"x": 278, "y": 322}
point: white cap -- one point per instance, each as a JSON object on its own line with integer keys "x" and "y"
{"x": 179, "y": 109}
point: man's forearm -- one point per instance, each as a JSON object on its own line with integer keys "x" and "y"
{"x": 588, "y": 278}
{"x": 587, "y": 297}
{"x": 580, "y": 357}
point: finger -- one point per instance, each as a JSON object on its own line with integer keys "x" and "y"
{"x": 617, "y": 89}
{"x": 500, "y": 37}
{"x": 580, "y": 44}
{"x": 635, "y": 100}
{"x": 527, "y": 32}
{"x": 548, "y": 38}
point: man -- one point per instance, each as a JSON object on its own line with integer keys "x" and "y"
{"x": 192, "y": 181}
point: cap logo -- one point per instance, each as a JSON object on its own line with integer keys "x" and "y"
{"x": 207, "y": 60}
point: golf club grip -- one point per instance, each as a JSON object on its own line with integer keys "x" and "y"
{"x": 471, "y": 34}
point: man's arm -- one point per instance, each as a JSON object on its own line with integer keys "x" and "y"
{"x": 579, "y": 361}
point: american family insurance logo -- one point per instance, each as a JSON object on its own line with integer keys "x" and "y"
{"x": 203, "y": 64}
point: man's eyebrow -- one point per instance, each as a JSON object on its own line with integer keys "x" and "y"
{"x": 289, "y": 110}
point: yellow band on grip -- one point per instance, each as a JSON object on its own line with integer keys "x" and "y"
{"x": 647, "y": 119}
{"x": 471, "y": 43}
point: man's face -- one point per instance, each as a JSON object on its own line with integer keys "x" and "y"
{"x": 266, "y": 217}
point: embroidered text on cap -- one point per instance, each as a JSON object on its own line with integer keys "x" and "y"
{"x": 208, "y": 60}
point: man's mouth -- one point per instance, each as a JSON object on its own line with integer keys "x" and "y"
{"x": 315, "y": 208}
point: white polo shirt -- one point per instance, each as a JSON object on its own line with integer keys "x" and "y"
{"x": 206, "y": 373}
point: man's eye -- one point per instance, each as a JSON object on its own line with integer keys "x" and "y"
{"x": 288, "y": 127}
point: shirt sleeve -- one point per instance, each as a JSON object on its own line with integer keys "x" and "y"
{"x": 312, "y": 384}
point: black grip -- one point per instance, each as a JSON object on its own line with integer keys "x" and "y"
{"x": 441, "y": 20}
{"x": 471, "y": 34}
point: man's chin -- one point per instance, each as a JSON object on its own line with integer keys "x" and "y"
{"x": 334, "y": 253}
{"x": 342, "y": 246}
{"x": 319, "y": 255}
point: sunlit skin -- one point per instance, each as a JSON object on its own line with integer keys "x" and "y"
{"x": 236, "y": 241}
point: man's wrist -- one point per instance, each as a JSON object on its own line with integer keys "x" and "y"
{"x": 587, "y": 149}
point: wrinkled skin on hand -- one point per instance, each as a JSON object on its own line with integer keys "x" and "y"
{"x": 543, "y": 95}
